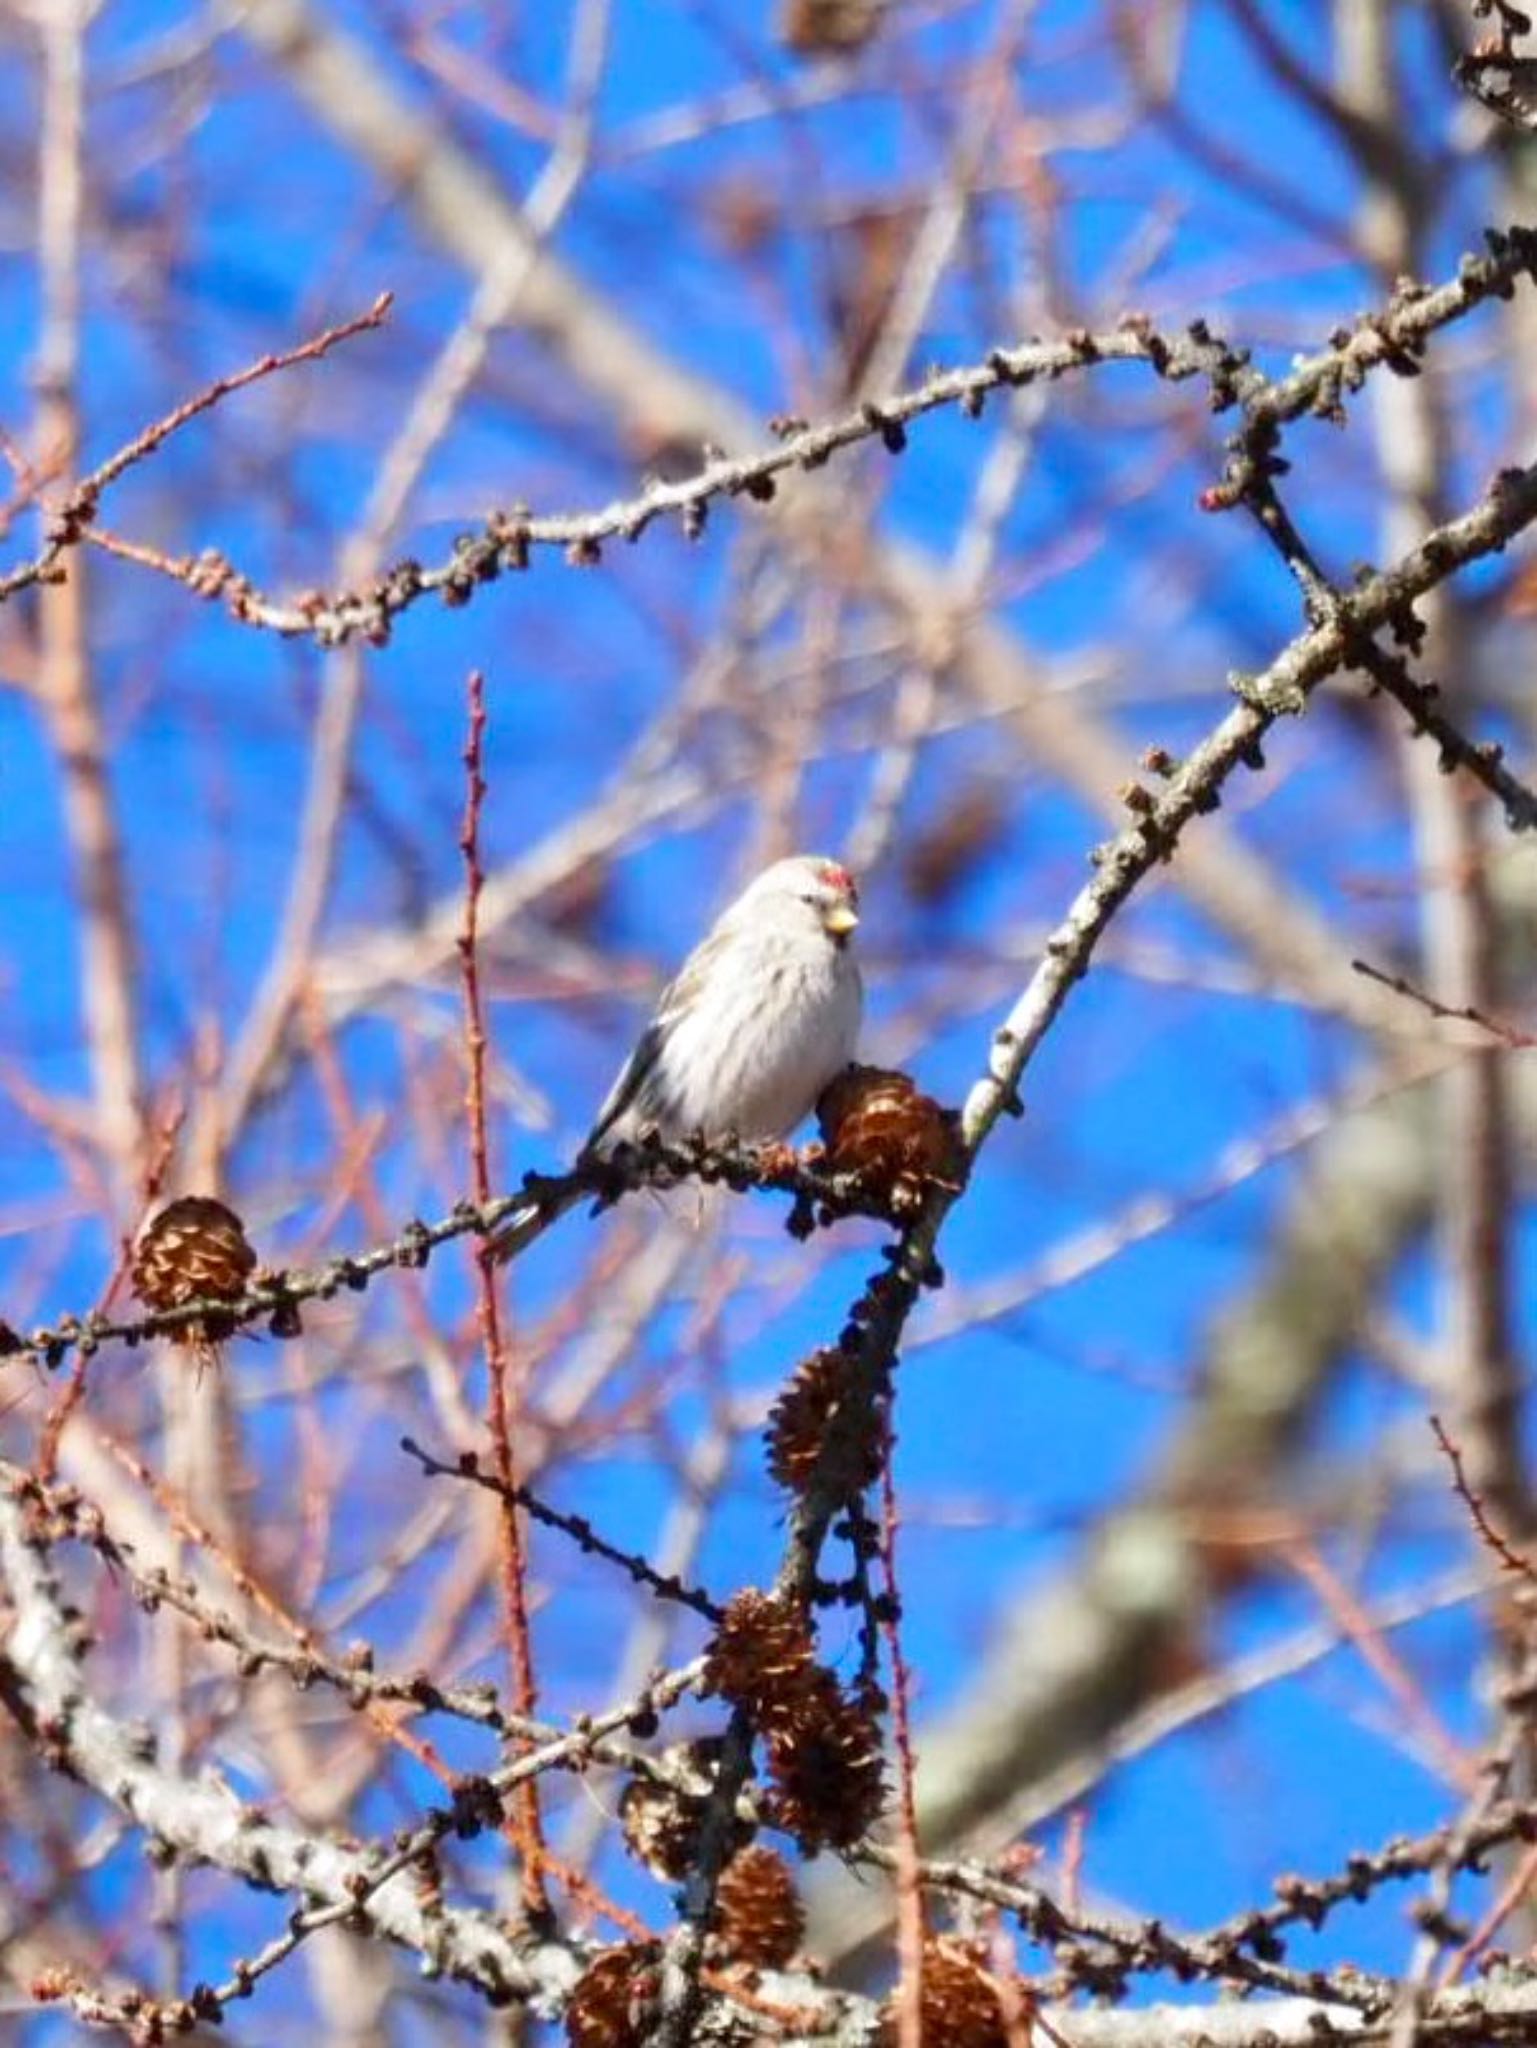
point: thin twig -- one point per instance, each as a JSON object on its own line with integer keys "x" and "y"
{"x": 502, "y": 1415}
{"x": 70, "y": 521}
{"x": 910, "y": 1927}
{"x": 1507, "y": 1035}
{"x": 1510, "y": 1559}
{"x": 276, "y": 1296}
{"x": 516, "y": 1494}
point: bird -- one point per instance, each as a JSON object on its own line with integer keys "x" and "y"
{"x": 761, "y": 1016}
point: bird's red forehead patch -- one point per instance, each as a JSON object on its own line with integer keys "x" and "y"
{"x": 839, "y": 878}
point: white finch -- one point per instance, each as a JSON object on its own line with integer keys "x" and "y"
{"x": 763, "y": 1014}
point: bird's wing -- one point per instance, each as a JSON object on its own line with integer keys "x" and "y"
{"x": 676, "y": 1001}
{"x": 631, "y": 1079}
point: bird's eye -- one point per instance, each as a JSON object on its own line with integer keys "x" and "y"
{"x": 809, "y": 899}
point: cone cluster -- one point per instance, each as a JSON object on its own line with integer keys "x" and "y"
{"x": 824, "y": 1748}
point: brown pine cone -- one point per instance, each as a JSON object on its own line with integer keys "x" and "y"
{"x": 613, "y": 2003}
{"x": 876, "y": 1124}
{"x": 827, "y": 1770}
{"x": 799, "y": 1420}
{"x": 195, "y": 1249}
{"x": 660, "y": 1826}
{"x": 660, "y": 1822}
{"x": 961, "y": 2004}
{"x": 762, "y": 1658}
{"x": 828, "y": 28}
{"x": 759, "y": 1917}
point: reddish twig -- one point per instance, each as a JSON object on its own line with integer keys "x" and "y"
{"x": 1509, "y": 1557}
{"x": 500, "y": 1416}
{"x": 70, "y": 520}
{"x": 1513, "y": 1892}
{"x": 910, "y": 1916}
{"x": 1356, "y": 1623}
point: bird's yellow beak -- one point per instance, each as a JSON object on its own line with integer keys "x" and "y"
{"x": 840, "y": 920}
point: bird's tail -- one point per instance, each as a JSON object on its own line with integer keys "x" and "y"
{"x": 532, "y": 1220}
